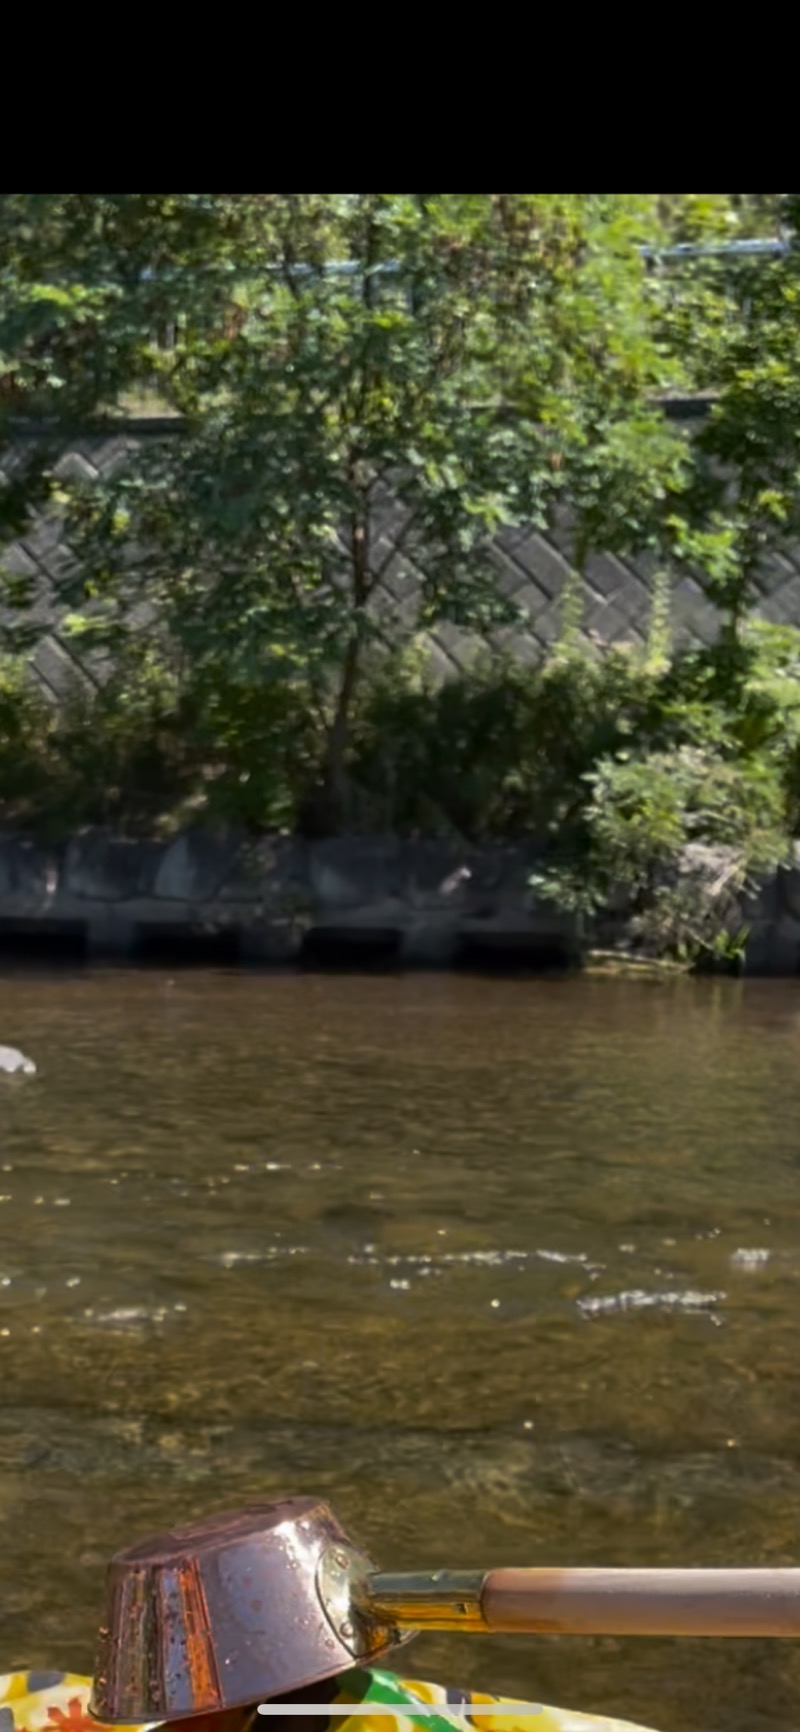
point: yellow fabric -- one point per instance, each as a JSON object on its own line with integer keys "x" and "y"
{"x": 503, "y": 1718}
{"x": 58, "y": 1702}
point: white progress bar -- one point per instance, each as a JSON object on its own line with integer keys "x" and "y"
{"x": 475, "y": 1710}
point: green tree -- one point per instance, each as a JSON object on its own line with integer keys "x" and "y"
{"x": 731, "y": 330}
{"x": 90, "y": 286}
{"x": 472, "y": 360}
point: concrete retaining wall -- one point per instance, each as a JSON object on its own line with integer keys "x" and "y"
{"x": 282, "y": 901}
{"x": 278, "y": 900}
{"x": 531, "y": 567}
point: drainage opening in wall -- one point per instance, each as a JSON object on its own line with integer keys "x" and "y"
{"x": 512, "y": 953}
{"x": 165, "y": 946}
{"x": 43, "y": 941}
{"x": 351, "y": 950}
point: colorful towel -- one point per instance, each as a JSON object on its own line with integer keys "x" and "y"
{"x": 58, "y": 1702}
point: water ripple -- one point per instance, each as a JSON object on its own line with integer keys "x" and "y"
{"x": 639, "y": 1299}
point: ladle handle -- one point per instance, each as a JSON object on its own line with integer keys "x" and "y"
{"x": 623, "y": 1602}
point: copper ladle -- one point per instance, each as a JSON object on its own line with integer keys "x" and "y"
{"x": 272, "y": 1599}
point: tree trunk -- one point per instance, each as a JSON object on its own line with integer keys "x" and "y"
{"x": 335, "y": 782}
{"x": 331, "y": 809}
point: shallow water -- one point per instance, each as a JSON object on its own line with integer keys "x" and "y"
{"x": 508, "y": 1270}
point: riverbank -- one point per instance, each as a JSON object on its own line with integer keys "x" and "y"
{"x": 342, "y": 902}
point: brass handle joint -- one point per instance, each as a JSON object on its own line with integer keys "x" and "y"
{"x": 429, "y": 1600}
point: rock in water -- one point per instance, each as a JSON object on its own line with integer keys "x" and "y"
{"x": 11, "y": 1059}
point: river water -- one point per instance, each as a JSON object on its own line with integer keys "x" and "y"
{"x": 507, "y": 1270}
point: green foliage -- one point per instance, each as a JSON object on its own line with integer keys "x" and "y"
{"x": 109, "y": 755}
{"x": 668, "y": 786}
{"x": 145, "y": 752}
{"x": 500, "y": 752}
{"x": 26, "y": 727}
{"x": 255, "y": 748}
{"x": 477, "y": 360}
{"x": 729, "y": 327}
{"x": 482, "y": 356}
{"x": 685, "y": 816}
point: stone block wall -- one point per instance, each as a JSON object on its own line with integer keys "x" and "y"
{"x": 283, "y": 901}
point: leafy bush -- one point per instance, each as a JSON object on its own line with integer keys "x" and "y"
{"x": 700, "y": 803}
{"x": 500, "y": 752}
{"x": 28, "y": 725}
{"x": 668, "y": 783}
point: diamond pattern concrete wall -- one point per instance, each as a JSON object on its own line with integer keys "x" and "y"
{"x": 532, "y": 570}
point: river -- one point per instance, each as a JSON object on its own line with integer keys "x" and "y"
{"x": 508, "y": 1270}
